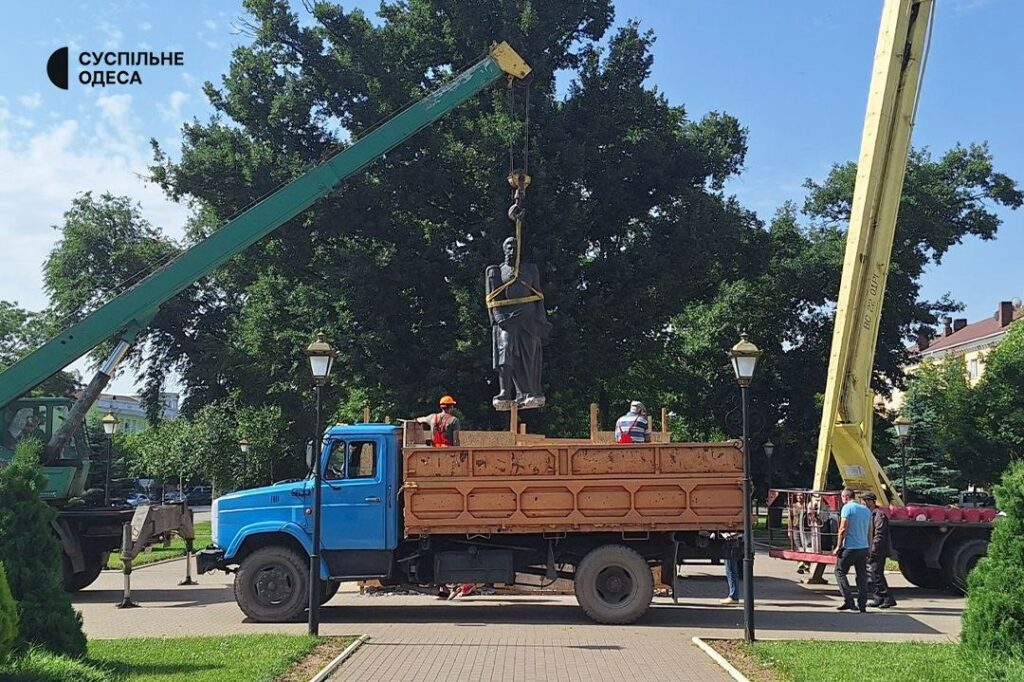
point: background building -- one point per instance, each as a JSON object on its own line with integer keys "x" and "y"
{"x": 973, "y": 342}
{"x": 130, "y": 411}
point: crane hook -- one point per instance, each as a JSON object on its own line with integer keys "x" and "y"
{"x": 519, "y": 181}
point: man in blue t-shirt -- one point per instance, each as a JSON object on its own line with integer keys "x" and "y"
{"x": 852, "y": 550}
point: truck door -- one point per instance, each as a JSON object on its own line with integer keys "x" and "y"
{"x": 355, "y": 508}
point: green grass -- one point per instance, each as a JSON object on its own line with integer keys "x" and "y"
{"x": 158, "y": 552}
{"x": 42, "y": 666}
{"x": 255, "y": 658}
{"x": 239, "y": 658}
{"x": 811, "y": 661}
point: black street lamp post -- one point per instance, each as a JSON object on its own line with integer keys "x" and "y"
{"x": 321, "y": 361}
{"x": 744, "y": 357}
{"x": 109, "y": 422}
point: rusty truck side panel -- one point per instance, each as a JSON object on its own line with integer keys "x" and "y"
{"x": 573, "y": 488}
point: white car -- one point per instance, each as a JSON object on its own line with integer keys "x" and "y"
{"x": 135, "y": 499}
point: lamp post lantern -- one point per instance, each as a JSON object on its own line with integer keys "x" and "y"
{"x": 744, "y": 357}
{"x": 109, "y": 422}
{"x": 902, "y": 428}
{"x": 321, "y": 361}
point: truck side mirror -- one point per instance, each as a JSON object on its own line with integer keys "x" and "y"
{"x": 309, "y": 455}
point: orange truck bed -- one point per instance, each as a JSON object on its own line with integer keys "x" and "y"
{"x": 573, "y": 488}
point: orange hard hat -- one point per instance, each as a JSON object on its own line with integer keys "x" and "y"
{"x": 447, "y": 400}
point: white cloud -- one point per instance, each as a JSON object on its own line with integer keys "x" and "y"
{"x": 172, "y": 111}
{"x": 188, "y": 78}
{"x": 42, "y": 173}
{"x": 33, "y": 101}
{"x": 964, "y": 6}
{"x": 210, "y": 25}
{"x": 112, "y": 34}
{"x": 145, "y": 26}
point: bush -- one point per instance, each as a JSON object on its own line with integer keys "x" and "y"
{"x": 32, "y": 555}
{"x": 994, "y": 618}
{"x": 42, "y": 666}
{"x": 8, "y": 617}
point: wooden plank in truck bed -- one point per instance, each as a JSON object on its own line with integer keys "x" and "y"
{"x": 573, "y": 488}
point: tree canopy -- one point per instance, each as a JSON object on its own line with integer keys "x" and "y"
{"x": 650, "y": 268}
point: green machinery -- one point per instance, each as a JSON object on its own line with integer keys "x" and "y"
{"x": 57, "y": 422}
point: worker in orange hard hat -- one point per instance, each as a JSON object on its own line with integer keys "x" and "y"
{"x": 444, "y": 426}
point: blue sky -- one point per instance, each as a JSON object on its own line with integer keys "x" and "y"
{"x": 795, "y": 73}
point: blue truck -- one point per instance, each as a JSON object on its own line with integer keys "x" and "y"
{"x": 402, "y": 512}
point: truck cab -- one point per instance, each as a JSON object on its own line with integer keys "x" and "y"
{"x": 39, "y": 419}
{"x": 359, "y": 527}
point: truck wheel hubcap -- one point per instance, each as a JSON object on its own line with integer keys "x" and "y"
{"x": 614, "y": 585}
{"x": 273, "y": 585}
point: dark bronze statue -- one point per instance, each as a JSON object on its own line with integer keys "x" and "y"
{"x": 519, "y": 324}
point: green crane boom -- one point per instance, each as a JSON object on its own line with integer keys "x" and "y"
{"x": 133, "y": 309}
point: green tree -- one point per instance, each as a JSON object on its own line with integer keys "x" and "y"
{"x": 941, "y": 455}
{"x": 398, "y": 288}
{"x": 265, "y": 429}
{"x": 1000, "y": 397}
{"x": 105, "y": 247}
{"x": 22, "y": 331}
{"x": 994, "y": 618}
{"x": 164, "y": 451}
{"x": 8, "y": 617}
{"x": 650, "y": 269}
{"x": 32, "y": 556}
{"x": 205, "y": 446}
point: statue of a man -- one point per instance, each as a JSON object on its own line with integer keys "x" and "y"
{"x": 519, "y": 324}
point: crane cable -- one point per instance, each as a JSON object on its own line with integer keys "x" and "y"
{"x": 519, "y": 180}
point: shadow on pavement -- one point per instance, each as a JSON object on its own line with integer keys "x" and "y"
{"x": 492, "y": 645}
{"x": 170, "y": 597}
{"x": 476, "y": 614}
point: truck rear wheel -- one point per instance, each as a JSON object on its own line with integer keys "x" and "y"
{"x": 272, "y": 585}
{"x": 73, "y": 582}
{"x": 958, "y": 561}
{"x": 614, "y": 585}
{"x": 330, "y": 588}
{"x": 918, "y": 573}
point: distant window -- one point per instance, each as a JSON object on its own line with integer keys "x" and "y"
{"x": 973, "y": 369}
{"x": 362, "y": 459}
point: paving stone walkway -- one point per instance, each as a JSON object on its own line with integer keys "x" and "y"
{"x": 527, "y": 638}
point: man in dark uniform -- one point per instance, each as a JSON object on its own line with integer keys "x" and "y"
{"x": 879, "y": 550}
{"x": 519, "y": 324}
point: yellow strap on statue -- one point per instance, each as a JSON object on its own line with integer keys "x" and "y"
{"x": 492, "y": 298}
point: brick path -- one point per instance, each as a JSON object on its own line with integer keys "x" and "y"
{"x": 527, "y": 638}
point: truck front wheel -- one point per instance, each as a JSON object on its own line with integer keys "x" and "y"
{"x": 272, "y": 585}
{"x": 614, "y": 585}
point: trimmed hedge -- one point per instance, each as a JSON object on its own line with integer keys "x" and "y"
{"x": 8, "y": 617}
{"x": 32, "y": 556}
{"x": 994, "y": 618}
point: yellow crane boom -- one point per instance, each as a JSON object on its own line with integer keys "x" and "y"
{"x": 892, "y": 102}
